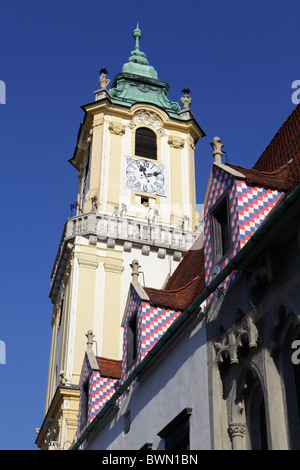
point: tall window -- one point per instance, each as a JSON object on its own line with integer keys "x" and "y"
{"x": 220, "y": 228}
{"x": 132, "y": 340}
{"x": 85, "y": 403}
{"x": 177, "y": 433}
{"x": 255, "y": 413}
{"x": 145, "y": 143}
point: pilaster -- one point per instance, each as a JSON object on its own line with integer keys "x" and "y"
{"x": 88, "y": 260}
{"x": 113, "y": 267}
{"x": 96, "y": 161}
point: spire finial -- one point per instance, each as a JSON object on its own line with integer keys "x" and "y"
{"x": 217, "y": 152}
{"x": 137, "y": 34}
{"x": 135, "y": 271}
{"x": 89, "y": 342}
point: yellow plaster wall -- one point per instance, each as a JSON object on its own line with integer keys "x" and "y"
{"x": 175, "y": 143}
{"x": 87, "y": 264}
{"x": 192, "y": 179}
{"x": 96, "y": 161}
{"x": 117, "y": 131}
{"x": 113, "y": 267}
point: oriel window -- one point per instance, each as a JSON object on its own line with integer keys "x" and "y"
{"x": 145, "y": 143}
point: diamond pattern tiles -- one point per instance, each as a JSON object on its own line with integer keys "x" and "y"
{"x": 254, "y": 204}
{"x": 152, "y": 322}
{"x": 249, "y": 206}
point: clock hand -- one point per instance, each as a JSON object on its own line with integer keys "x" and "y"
{"x": 143, "y": 170}
{"x": 153, "y": 174}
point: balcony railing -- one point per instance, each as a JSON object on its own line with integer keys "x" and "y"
{"x": 130, "y": 229}
{"x": 126, "y": 230}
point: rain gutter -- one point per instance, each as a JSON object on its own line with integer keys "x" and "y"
{"x": 255, "y": 240}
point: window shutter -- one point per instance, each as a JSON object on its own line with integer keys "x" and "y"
{"x": 145, "y": 143}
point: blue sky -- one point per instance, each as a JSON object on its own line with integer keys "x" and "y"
{"x": 239, "y": 59}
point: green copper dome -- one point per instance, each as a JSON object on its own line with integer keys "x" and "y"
{"x": 138, "y": 82}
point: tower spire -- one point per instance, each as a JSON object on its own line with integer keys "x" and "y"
{"x": 137, "y": 56}
{"x": 137, "y": 34}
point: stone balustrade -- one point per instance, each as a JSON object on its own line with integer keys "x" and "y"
{"x": 112, "y": 229}
{"x": 131, "y": 229}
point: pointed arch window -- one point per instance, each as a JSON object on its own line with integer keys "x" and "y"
{"x": 145, "y": 143}
{"x": 255, "y": 413}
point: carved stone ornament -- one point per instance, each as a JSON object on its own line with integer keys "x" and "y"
{"x": 236, "y": 429}
{"x": 116, "y": 128}
{"x": 217, "y": 145}
{"x": 103, "y": 81}
{"x": 147, "y": 118}
{"x": 176, "y": 142}
{"x": 186, "y": 101}
{"x": 227, "y": 347}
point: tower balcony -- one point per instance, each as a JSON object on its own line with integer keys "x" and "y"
{"x": 121, "y": 231}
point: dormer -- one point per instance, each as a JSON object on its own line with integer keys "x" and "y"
{"x": 237, "y": 201}
{"x": 144, "y": 322}
{"x": 100, "y": 378}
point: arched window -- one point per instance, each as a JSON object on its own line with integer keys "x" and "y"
{"x": 145, "y": 143}
{"x": 255, "y": 413}
{"x": 291, "y": 380}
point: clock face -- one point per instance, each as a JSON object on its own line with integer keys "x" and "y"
{"x": 146, "y": 176}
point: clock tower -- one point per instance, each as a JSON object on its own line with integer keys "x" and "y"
{"x": 136, "y": 199}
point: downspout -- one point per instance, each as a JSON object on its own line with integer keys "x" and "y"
{"x": 255, "y": 240}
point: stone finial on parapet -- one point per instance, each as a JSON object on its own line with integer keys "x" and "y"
{"x": 186, "y": 99}
{"x": 89, "y": 342}
{"x": 103, "y": 80}
{"x": 217, "y": 152}
{"x": 135, "y": 271}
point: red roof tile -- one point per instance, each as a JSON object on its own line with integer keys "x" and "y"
{"x": 284, "y": 146}
{"x": 177, "y": 299}
{"x": 185, "y": 284}
{"x": 188, "y": 269}
{"x": 278, "y": 167}
{"x": 110, "y": 367}
{"x": 279, "y": 179}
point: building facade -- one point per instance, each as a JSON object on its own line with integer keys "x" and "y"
{"x": 240, "y": 377}
{"x": 136, "y": 199}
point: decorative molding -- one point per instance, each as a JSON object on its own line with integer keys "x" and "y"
{"x": 191, "y": 143}
{"x": 176, "y": 142}
{"x": 147, "y": 118}
{"x": 242, "y": 333}
{"x": 99, "y": 122}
